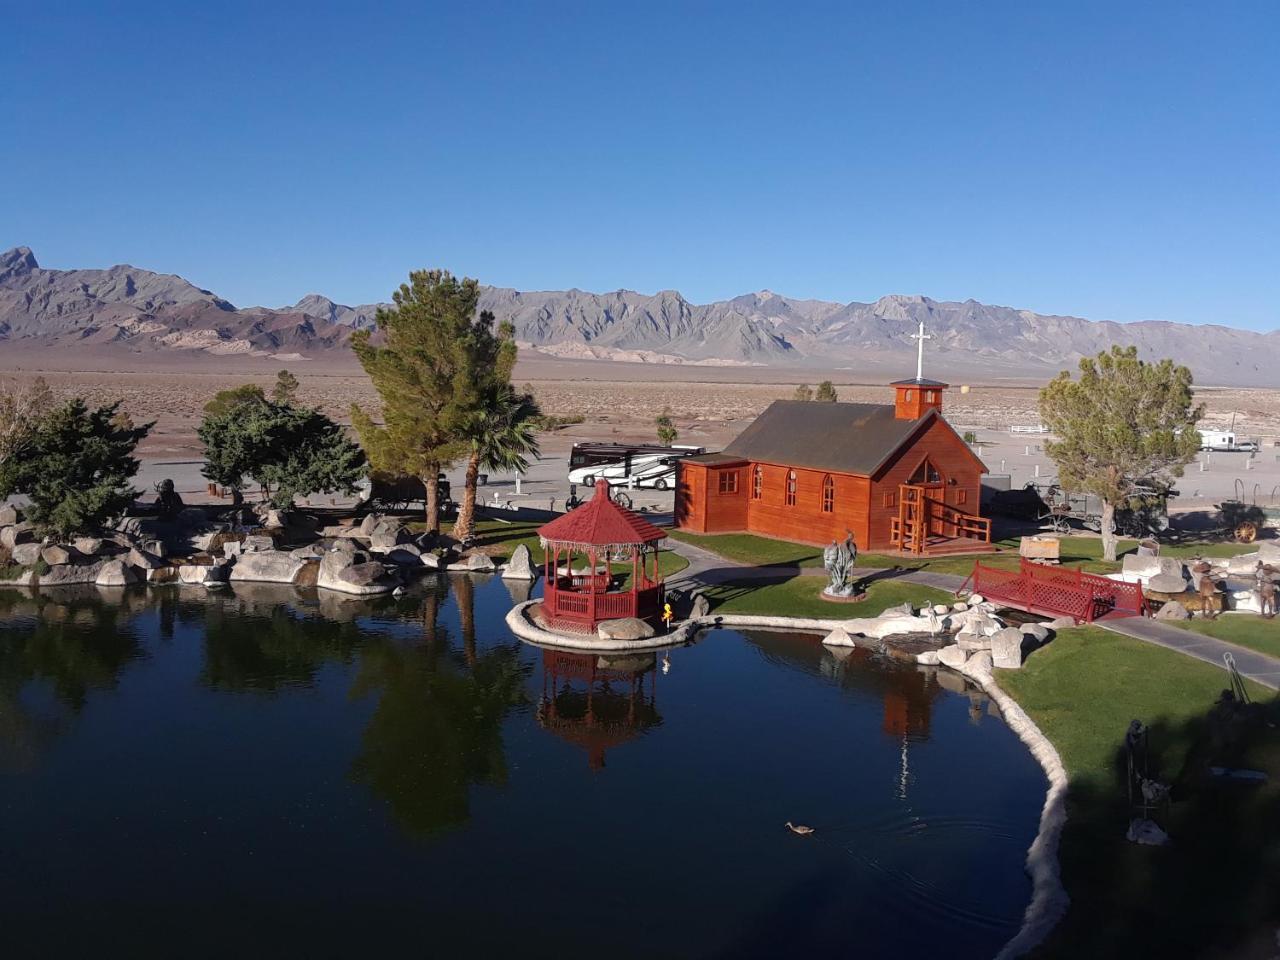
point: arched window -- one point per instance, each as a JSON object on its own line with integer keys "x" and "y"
{"x": 828, "y": 494}
{"x": 757, "y": 482}
{"x": 791, "y": 488}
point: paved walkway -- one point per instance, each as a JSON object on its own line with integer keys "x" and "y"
{"x": 710, "y": 569}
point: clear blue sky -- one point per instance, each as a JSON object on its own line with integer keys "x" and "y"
{"x": 1116, "y": 161}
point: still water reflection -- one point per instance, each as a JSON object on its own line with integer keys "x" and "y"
{"x": 268, "y": 772}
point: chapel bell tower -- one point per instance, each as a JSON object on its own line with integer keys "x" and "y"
{"x": 914, "y": 398}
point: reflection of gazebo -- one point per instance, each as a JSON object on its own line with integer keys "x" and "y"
{"x": 600, "y": 532}
{"x": 597, "y": 703}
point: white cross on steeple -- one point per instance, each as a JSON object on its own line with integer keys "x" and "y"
{"x": 920, "y": 338}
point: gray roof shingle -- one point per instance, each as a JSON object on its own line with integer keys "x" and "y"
{"x": 840, "y": 437}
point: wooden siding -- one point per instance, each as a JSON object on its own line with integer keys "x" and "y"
{"x": 950, "y": 455}
{"x": 863, "y": 505}
{"x": 805, "y": 522}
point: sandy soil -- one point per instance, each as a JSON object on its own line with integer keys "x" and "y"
{"x": 707, "y": 413}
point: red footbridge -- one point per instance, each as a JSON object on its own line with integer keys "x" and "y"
{"x": 1055, "y": 592}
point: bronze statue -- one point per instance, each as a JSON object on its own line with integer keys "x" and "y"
{"x": 167, "y": 500}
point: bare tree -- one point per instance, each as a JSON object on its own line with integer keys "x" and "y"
{"x": 21, "y": 407}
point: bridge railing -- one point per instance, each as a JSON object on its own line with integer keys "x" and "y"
{"x": 1054, "y": 591}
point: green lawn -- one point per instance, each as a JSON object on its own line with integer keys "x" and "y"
{"x": 1246, "y": 629}
{"x": 1210, "y": 892}
{"x": 752, "y": 550}
{"x": 798, "y": 597}
{"x": 749, "y": 549}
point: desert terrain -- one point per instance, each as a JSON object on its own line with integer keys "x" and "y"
{"x": 618, "y": 400}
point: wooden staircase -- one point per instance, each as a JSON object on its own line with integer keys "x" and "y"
{"x": 928, "y": 525}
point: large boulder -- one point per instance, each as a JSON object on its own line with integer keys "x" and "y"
{"x": 520, "y": 566}
{"x": 980, "y": 664}
{"x": 839, "y": 637}
{"x": 407, "y": 555}
{"x": 9, "y": 515}
{"x": 17, "y": 533}
{"x": 1166, "y": 583}
{"x": 625, "y": 628}
{"x": 1172, "y": 610}
{"x": 25, "y": 554}
{"x": 88, "y": 546}
{"x": 1006, "y": 648}
{"x": 952, "y": 657}
{"x": 204, "y": 573}
{"x": 972, "y": 642}
{"x": 339, "y": 571}
{"x": 115, "y": 573}
{"x": 1037, "y": 632}
{"x": 143, "y": 560}
{"x": 274, "y": 566}
{"x": 387, "y": 536}
{"x": 55, "y": 554}
{"x": 477, "y": 563}
{"x": 65, "y": 574}
{"x": 701, "y": 606}
{"x": 362, "y": 574}
{"x": 257, "y": 543}
{"x": 1139, "y": 566}
{"x": 370, "y": 521}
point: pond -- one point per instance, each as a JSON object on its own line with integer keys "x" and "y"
{"x": 271, "y": 772}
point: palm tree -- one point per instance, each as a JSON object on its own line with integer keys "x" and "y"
{"x": 502, "y": 438}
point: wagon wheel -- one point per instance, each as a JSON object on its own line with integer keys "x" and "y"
{"x": 1247, "y": 532}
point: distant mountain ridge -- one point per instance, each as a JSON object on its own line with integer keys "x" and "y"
{"x": 142, "y": 312}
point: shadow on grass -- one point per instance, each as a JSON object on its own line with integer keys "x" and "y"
{"x": 1213, "y": 891}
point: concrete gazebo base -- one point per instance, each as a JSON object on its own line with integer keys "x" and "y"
{"x": 525, "y": 622}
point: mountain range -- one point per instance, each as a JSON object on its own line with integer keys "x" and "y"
{"x": 125, "y": 308}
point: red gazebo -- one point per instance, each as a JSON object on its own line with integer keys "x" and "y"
{"x": 603, "y": 533}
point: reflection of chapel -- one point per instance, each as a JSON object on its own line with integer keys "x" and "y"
{"x": 898, "y": 476}
{"x": 598, "y": 703}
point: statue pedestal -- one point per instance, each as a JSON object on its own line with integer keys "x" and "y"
{"x": 855, "y": 596}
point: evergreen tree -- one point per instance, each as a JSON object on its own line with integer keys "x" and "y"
{"x": 291, "y": 451}
{"x": 826, "y": 392}
{"x": 286, "y": 388}
{"x": 667, "y": 432}
{"x": 233, "y": 397}
{"x": 416, "y": 371}
{"x": 76, "y": 467}
{"x": 1125, "y": 430}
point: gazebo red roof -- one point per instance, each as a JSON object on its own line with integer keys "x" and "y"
{"x": 600, "y": 523}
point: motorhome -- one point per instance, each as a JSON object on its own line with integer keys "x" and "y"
{"x": 641, "y": 465}
{"x": 1226, "y": 441}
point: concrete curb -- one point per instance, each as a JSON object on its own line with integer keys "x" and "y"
{"x": 519, "y": 623}
{"x": 1049, "y": 900}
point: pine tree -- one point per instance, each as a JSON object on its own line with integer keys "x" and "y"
{"x": 1125, "y": 430}
{"x": 286, "y": 387}
{"x": 416, "y": 371}
{"x": 667, "y": 432}
{"x": 803, "y": 392}
{"x": 826, "y": 392}
{"x": 289, "y": 450}
{"x": 76, "y": 467}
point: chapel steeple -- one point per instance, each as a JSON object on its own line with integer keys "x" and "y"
{"x": 914, "y": 398}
